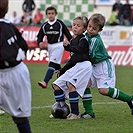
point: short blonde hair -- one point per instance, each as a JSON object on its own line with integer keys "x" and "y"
{"x": 84, "y": 19}
{"x": 98, "y": 19}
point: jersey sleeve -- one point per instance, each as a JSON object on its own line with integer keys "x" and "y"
{"x": 20, "y": 40}
{"x": 80, "y": 48}
{"x": 40, "y": 35}
{"x": 66, "y": 31}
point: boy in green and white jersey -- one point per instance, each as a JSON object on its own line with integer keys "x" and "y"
{"x": 103, "y": 76}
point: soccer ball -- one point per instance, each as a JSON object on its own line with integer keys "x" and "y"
{"x": 60, "y": 110}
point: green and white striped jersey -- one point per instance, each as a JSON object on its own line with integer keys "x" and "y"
{"x": 97, "y": 49}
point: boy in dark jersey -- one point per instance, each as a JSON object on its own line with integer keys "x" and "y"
{"x": 71, "y": 82}
{"x": 103, "y": 75}
{"x": 15, "y": 87}
{"x": 55, "y": 30}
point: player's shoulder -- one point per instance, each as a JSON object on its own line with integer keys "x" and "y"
{"x": 46, "y": 22}
{"x": 60, "y": 21}
{"x": 4, "y": 21}
{"x": 82, "y": 36}
{"x": 5, "y": 24}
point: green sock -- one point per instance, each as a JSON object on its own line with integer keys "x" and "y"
{"x": 117, "y": 94}
{"x": 87, "y": 101}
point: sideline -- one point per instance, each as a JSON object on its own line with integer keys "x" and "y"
{"x": 95, "y": 103}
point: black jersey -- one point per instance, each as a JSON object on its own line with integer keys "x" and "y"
{"x": 79, "y": 52}
{"x": 11, "y": 44}
{"x": 54, "y": 31}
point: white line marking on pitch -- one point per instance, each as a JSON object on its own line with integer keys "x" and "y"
{"x": 42, "y": 107}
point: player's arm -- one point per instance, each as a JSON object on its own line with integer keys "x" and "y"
{"x": 20, "y": 40}
{"x": 66, "y": 67}
{"x": 80, "y": 48}
{"x": 66, "y": 31}
{"x": 40, "y": 37}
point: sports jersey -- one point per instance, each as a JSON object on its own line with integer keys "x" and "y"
{"x": 12, "y": 45}
{"x": 97, "y": 49}
{"x": 79, "y": 52}
{"x": 54, "y": 31}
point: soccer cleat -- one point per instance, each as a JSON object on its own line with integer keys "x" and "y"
{"x": 2, "y": 112}
{"x": 130, "y": 103}
{"x": 72, "y": 116}
{"x": 87, "y": 116}
{"x": 42, "y": 84}
{"x": 51, "y": 116}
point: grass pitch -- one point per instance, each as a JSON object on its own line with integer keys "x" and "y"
{"x": 112, "y": 116}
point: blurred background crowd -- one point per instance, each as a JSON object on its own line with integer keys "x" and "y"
{"x": 121, "y": 14}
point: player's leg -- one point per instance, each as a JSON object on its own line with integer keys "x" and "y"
{"x": 87, "y": 104}
{"x": 87, "y": 100}
{"x": 119, "y": 95}
{"x": 22, "y": 124}
{"x": 58, "y": 94}
{"x": 106, "y": 84}
{"x": 81, "y": 76}
{"x": 51, "y": 68}
{"x": 55, "y": 55}
{"x": 73, "y": 99}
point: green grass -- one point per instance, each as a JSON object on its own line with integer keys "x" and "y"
{"x": 112, "y": 116}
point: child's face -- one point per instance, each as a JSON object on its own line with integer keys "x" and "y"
{"x": 51, "y": 15}
{"x": 92, "y": 29}
{"x": 78, "y": 27}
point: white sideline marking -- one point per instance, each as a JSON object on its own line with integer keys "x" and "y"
{"x": 42, "y": 107}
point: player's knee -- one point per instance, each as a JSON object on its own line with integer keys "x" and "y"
{"x": 19, "y": 120}
{"x": 55, "y": 87}
{"x": 103, "y": 91}
{"x": 71, "y": 87}
{"x": 55, "y": 65}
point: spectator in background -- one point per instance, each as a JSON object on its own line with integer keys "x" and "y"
{"x": 113, "y": 20}
{"x": 14, "y": 18}
{"x": 26, "y": 19}
{"x": 118, "y": 5}
{"x": 28, "y": 6}
{"x": 131, "y": 14}
{"x": 126, "y": 13}
{"x": 37, "y": 19}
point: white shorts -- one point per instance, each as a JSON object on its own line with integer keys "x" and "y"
{"x": 103, "y": 75}
{"x": 55, "y": 52}
{"x": 15, "y": 91}
{"x": 79, "y": 75}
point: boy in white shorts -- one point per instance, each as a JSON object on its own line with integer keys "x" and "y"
{"x": 103, "y": 75}
{"x": 15, "y": 87}
{"x": 55, "y": 30}
{"x": 71, "y": 82}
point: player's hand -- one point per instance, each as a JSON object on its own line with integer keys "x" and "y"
{"x": 42, "y": 45}
{"x": 66, "y": 42}
{"x": 57, "y": 73}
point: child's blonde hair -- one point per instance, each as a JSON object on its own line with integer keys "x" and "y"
{"x": 84, "y": 19}
{"x": 98, "y": 19}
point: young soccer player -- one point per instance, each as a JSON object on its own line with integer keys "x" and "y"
{"x": 103, "y": 68}
{"x": 15, "y": 87}
{"x": 72, "y": 84}
{"x": 55, "y": 30}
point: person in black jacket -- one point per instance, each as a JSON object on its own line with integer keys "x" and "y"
{"x": 71, "y": 82}
{"x": 126, "y": 13}
{"x": 15, "y": 86}
{"x": 28, "y": 6}
{"x": 55, "y": 30}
